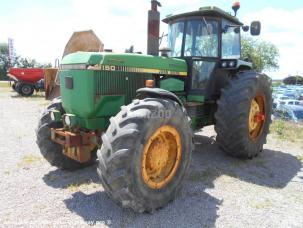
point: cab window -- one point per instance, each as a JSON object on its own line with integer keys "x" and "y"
{"x": 201, "y": 38}
{"x": 231, "y": 48}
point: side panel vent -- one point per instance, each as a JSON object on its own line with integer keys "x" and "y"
{"x": 119, "y": 83}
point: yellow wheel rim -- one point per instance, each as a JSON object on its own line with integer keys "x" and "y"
{"x": 256, "y": 116}
{"x": 161, "y": 157}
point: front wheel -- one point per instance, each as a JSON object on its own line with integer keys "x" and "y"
{"x": 146, "y": 153}
{"x": 244, "y": 115}
{"x": 50, "y": 150}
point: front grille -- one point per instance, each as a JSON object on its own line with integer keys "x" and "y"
{"x": 119, "y": 83}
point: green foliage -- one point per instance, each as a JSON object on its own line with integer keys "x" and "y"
{"x": 30, "y": 63}
{"x": 276, "y": 83}
{"x": 293, "y": 80}
{"x": 4, "y": 61}
{"x": 264, "y": 55}
{"x": 287, "y": 130}
{"x": 3, "y": 49}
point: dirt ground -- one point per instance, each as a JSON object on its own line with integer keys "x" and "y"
{"x": 219, "y": 191}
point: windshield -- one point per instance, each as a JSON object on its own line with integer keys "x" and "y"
{"x": 299, "y": 114}
{"x": 175, "y": 37}
{"x": 230, "y": 41}
{"x": 201, "y": 38}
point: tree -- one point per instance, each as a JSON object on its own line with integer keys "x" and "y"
{"x": 264, "y": 55}
{"x": 293, "y": 80}
{"x": 4, "y": 60}
{"x": 130, "y": 49}
{"x": 30, "y": 63}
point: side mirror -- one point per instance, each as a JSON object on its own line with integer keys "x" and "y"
{"x": 255, "y": 28}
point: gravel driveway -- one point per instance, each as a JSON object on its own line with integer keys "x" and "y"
{"x": 219, "y": 191}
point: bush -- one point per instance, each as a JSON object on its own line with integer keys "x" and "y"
{"x": 287, "y": 130}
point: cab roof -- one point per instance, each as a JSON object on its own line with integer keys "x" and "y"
{"x": 204, "y": 11}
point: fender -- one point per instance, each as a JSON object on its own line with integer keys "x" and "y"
{"x": 158, "y": 93}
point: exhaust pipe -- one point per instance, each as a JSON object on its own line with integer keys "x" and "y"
{"x": 153, "y": 29}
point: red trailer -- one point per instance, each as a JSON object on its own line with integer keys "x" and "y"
{"x": 27, "y": 80}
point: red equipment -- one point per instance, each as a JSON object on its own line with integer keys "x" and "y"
{"x": 26, "y": 80}
{"x": 30, "y": 75}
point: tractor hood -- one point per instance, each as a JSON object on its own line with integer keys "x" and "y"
{"x": 134, "y": 62}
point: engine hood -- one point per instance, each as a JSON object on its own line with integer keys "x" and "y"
{"x": 134, "y": 62}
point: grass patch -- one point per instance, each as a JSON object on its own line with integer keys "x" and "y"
{"x": 4, "y": 84}
{"x": 29, "y": 160}
{"x": 82, "y": 186}
{"x": 5, "y": 89}
{"x": 287, "y": 131}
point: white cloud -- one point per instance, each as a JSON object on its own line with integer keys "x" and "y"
{"x": 283, "y": 29}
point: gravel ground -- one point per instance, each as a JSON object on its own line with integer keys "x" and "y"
{"x": 219, "y": 191}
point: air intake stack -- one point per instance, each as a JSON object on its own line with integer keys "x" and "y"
{"x": 153, "y": 29}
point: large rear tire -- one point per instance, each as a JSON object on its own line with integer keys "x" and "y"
{"x": 50, "y": 150}
{"x": 146, "y": 153}
{"x": 244, "y": 115}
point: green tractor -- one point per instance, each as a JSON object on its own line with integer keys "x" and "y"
{"x": 135, "y": 114}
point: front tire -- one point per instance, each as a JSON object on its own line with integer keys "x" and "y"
{"x": 50, "y": 150}
{"x": 140, "y": 165}
{"x": 244, "y": 115}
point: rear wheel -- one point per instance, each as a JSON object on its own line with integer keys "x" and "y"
{"x": 26, "y": 90}
{"x": 50, "y": 150}
{"x": 146, "y": 153}
{"x": 244, "y": 115}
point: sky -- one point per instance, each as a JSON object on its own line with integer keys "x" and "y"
{"x": 41, "y": 28}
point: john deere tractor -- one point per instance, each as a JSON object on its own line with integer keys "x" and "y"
{"x": 135, "y": 114}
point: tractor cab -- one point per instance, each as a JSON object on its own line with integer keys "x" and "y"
{"x": 209, "y": 41}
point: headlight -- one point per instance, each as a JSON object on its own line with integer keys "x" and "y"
{"x": 231, "y": 64}
{"x": 224, "y": 64}
{"x": 67, "y": 120}
{"x": 73, "y": 67}
{"x": 55, "y": 115}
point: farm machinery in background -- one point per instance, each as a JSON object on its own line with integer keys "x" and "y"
{"x": 28, "y": 80}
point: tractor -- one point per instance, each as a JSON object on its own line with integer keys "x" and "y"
{"x": 134, "y": 114}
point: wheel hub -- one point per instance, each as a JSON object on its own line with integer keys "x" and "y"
{"x": 256, "y": 116}
{"x": 25, "y": 89}
{"x": 161, "y": 157}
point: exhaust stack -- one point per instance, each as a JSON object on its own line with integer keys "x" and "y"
{"x": 153, "y": 29}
